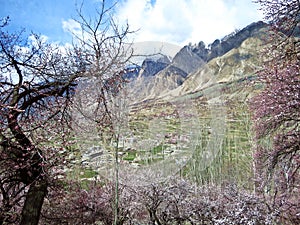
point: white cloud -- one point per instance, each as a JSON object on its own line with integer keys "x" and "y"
{"x": 71, "y": 26}
{"x": 74, "y": 29}
{"x": 184, "y": 21}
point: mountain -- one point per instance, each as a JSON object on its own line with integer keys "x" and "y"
{"x": 236, "y": 65}
{"x": 234, "y": 40}
{"x": 149, "y": 57}
{"x": 195, "y": 67}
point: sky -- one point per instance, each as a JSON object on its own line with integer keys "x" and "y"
{"x": 178, "y": 22}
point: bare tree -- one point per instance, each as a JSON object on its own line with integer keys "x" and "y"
{"x": 35, "y": 88}
{"x": 102, "y": 48}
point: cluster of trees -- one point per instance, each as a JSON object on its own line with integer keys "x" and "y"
{"x": 277, "y": 112}
{"x": 175, "y": 201}
{"x": 37, "y": 85}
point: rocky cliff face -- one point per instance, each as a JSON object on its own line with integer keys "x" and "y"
{"x": 150, "y": 66}
{"x": 187, "y": 60}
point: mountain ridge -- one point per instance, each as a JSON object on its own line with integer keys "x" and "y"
{"x": 195, "y": 67}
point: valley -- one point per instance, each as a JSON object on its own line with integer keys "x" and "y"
{"x": 198, "y": 127}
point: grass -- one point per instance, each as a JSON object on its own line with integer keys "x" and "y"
{"x": 88, "y": 173}
{"x": 158, "y": 149}
{"x": 130, "y": 156}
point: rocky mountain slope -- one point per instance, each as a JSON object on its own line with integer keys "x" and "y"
{"x": 196, "y": 67}
{"x": 237, "y": 64}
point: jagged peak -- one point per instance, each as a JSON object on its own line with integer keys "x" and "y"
{"x": 220, "y": 46}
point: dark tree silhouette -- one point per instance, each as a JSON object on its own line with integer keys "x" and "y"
{"x": 37, "y": 84}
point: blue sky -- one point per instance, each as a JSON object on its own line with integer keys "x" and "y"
{"x": 41, "y": 16}
{"x": 174, "y": 21}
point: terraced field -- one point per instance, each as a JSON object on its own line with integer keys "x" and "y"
{"x": 205, "y": 136}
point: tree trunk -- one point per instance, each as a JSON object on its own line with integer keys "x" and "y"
{"x": 33, "y": 203}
